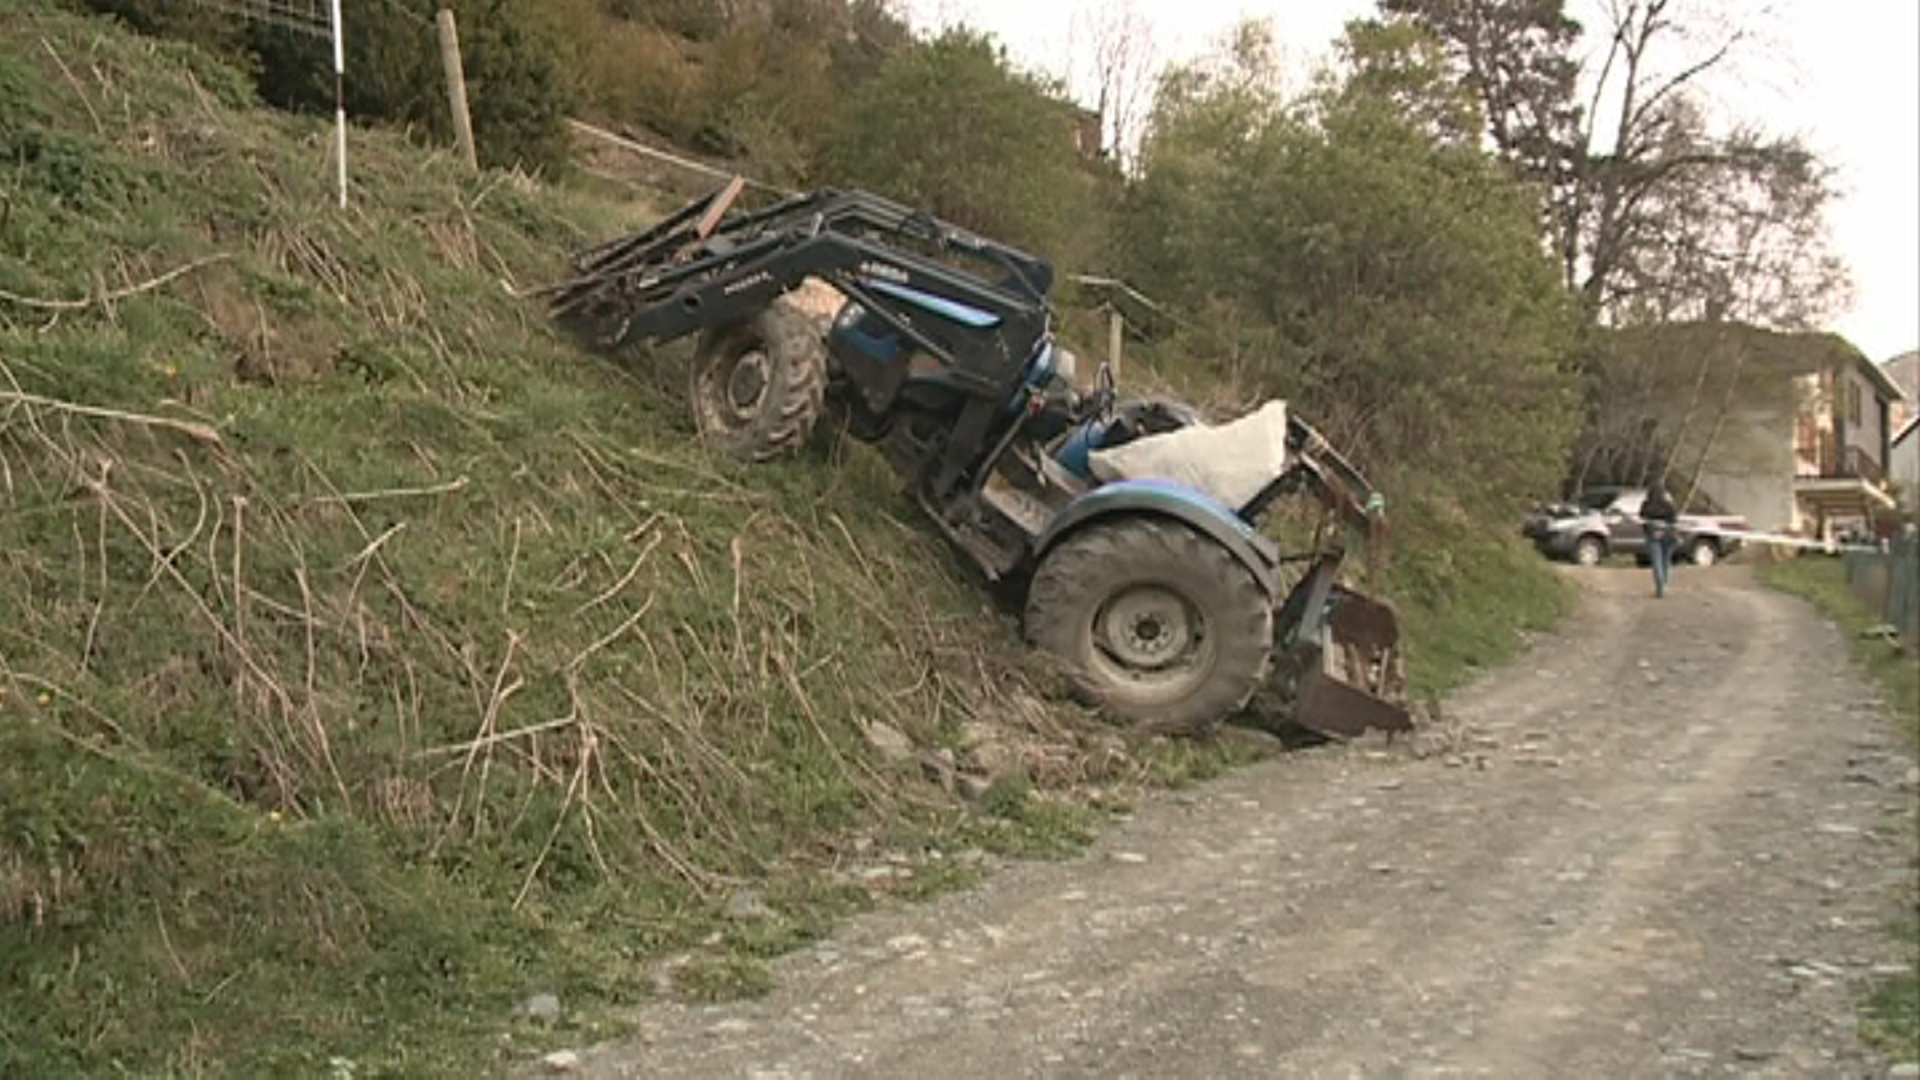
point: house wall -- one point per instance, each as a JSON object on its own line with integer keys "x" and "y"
{"x": 1905, "y": 469}
{"x": 1749, "y": 469}
{"x": 1865, "y": 428}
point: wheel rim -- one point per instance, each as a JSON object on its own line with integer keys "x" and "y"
{"x": 1703, "y": 555}
{"x": 1150, "y": 635}
{"x": 746, "y": 382}
{"x": 732, "y": 388}
{"x": 1588, "y": 553}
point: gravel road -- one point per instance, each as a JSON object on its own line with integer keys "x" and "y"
{"x": 1663, "y": 843}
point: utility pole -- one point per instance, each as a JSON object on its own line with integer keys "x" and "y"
{"x": 456, "y": 86}
{"x": 339, "y": 99}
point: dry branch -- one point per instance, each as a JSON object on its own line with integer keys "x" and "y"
{"x": 458, "y": 483}
{"x": 614, "y": 590}
{"x": 105, "y": 297}
{"x": 513, "y": 563}
{"x": 190, "y": 428}
{"x": 612, "y": 636}
{"x": 80, "y": 91}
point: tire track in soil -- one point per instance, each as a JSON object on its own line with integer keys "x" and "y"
{"x": 1652, "y": 826}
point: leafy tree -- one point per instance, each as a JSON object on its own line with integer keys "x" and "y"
{"x": 951, "y": 126}
{"x": 1515, "y": 58}
{"x": 1406, "y": 65}
{"x": 1340, "y": 253}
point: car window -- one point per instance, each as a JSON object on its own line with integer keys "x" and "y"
{"x": 1596, "y": 500}
{"x": 1629, "y": 502}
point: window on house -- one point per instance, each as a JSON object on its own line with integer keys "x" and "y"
{"x": 1853, "y": 403}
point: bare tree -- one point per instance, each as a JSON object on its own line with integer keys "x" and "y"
{"x": 1620, "y": 148}
{"x": 1112, "y": 44}
{"x": 1657, "y": 217}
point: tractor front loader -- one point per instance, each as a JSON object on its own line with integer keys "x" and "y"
{"x": 1127, "y": 530}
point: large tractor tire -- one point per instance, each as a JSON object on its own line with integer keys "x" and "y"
{"x": 756, "y": 385}
{"x": 1158, "y": 624}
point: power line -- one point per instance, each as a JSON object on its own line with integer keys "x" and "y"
{"x": 319, "y": 18}
{"x": 300, "y": 16}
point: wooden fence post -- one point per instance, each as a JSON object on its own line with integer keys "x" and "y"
{"x": 456, "y": 87}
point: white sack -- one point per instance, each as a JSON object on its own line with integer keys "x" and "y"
{"x": 1230, "y": 462}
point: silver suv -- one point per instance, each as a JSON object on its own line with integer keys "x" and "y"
{"x": 1605, "y": 521}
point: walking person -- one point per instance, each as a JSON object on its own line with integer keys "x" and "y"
{"x": 1658, "y": 515}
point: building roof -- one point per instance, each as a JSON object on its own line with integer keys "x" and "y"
{"x": 1904, "y": 370}
{"x": 1766, "y": 350}
{"x": 1882, "y": 380}
{"x": 1906, "y": 430}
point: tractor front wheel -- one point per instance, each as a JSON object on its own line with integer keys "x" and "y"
{"x": 757, "y": 384}
{"x": 1158, "y": 624}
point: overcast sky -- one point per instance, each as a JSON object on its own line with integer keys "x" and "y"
{"x": 1844, "y": 76}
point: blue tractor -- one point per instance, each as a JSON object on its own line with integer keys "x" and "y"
{"x": 1168, "y": 605}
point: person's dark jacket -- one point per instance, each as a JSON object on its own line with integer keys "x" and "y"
{"x": 1658, "y": 512}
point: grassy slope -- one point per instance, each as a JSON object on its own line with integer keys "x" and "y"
{"x": 451, "y": 672}
{"x": 1893, "y": 1013}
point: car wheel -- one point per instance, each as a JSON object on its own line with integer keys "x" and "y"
{"x": 1703, "y": 553}
{"x": 1589, "y": 551}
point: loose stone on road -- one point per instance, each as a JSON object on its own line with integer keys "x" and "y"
{"x": 1667, "y": 844}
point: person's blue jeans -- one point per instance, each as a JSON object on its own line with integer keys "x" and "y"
{"x": 1660, "y": 552}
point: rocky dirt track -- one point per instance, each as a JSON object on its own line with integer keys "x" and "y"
{"x": 1664, "y": 843}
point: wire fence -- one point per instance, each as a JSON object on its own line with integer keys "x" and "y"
{"x": 300, "y": 16}
{"x": 1888, "y": 583}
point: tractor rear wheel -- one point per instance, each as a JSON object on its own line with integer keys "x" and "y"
{"x": 757, "y": 384}
{"x": 1158, "y": 624}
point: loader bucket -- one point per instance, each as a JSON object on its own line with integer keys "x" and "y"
{"x": 1340, "y": 659}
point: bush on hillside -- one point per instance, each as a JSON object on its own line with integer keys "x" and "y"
{"x": 949, "y": 125}
{"x": 512, "y": 51}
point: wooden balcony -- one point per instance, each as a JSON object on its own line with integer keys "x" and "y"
{"x": 1819, "y": 461}
{"x": 1853, "y": 485}
{"x": 1862, "y": 464}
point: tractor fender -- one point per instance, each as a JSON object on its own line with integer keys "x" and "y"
{"x": 1160, "y": 498}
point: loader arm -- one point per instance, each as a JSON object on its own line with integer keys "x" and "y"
{"x": 1320, "y": 470}
{"x": 677, "y": 277}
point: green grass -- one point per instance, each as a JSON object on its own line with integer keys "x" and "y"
{"x": 1891, "y": 1017}
{"x": 1465, "y": 597}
